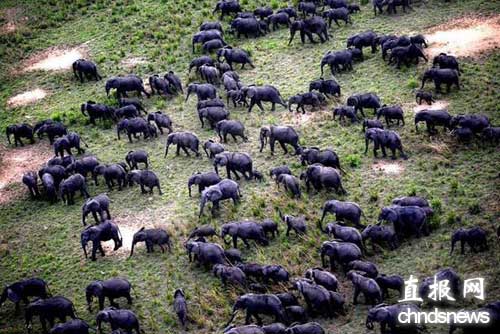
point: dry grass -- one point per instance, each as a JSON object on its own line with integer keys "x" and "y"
{"x": 26, "y": 98}
{"x": 388, "y": 167}
{"x": 59, "y": 58}
{"x": 438, "y": 105}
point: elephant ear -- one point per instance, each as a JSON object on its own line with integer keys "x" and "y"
{"x": 251, "y": 92}
{"x": 215, "y": 195}
{"x": 13, "y": 296}
{"x": 142, "y": 229}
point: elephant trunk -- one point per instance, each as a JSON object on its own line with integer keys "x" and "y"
{"x": 323, "y": 257}
{"x": 88, "y": 296}
{"x": 233, "y": 315}
{"x": 369, "y": 324}
{"x": 189, "y": 188}
{"x": 320, "y": 223}
{"x": 82, "y": 109}
{"x": 366, "y": 145}
{"x": 132, "y": 248}
{"x": 189, "y": 90}
{"x": 84, "y": 246}
{"x": 216, "y": 168}
{"x": 166, "y": 149}
{"x": 202, "y": 205}
{"x": 292, "y": 35}
{"x": 263, "y": 142}
{"x": 453, "y": 241}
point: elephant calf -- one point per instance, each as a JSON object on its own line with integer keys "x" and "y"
{"x": 112, "y": 289}
{"x": 161, "y": 120}
{"x": 308, "y": 328}
{"x": 229, "y": 274}
{"x": 337, "y": 230}
{"x": 407, "y": 220}
{"x": 269, "y": 226}
{"x": 312, "y": 99}
{"x": 180, "y": 307}
{"x": 68, "y": 187}
{"x": 96, "y": 205}
{"x": 383, "y": 139}
{"x": 111, "y": 173}
{"x": 20, "y": 131}
{"x": 21, "y": 290}
{"x": 297, "y": 224}
{"x": 379, "y": 234}
{"x": 73, "y": 326}
{"x": 118, "y": 319}
{"x": 291, "y": 184}
{"x": 343, "y": 211}
{"x": 323, "y": 177}
{"x": 345, "y": 112}
{"x": 203, "y": 180}
{"x": 366, "y": 268}
{"x": 225, "y": 189}
{"x": 151, "y": 237}
{"x": 48, "y": 310}
{"x": 277, "y": 171}
{"x": 319, "y": 300}
{"x": 322, "y": 277}
{"x": 105, "y": 231}
{"x": 367, "y": 286}
{"x": 245, "y": 230}
{"x": 212, "y": 148}
{"x": 234, "y": 162}
{"x": 30, "y": 179}
{"x": 394, "y": 282}
{"x": 387, "y": 316}
{"x": 144, "y": 178}
{"x": 341, "y": 252}
{"x": 474, "y": 237}
{"x": 391, "y": 113}
{"x": 133, "y": 158}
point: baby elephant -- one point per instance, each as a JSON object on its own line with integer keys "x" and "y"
{"x": 152, "y": 236}
{"x": 309, "y": 328}
{"x": 144, "y": 178}
{"x": 291, "y": 184}
{"x": 474, "y": 237}
{"x": 30, "y": 179}
{"x": 269, "y": 226}
{"x": 96, "y": 205}
{"x": 367, "y": 286}
{"x": 112, "y": 288}
{"x": 423, "y": 95}
{"x": 229, "y": 274}
{"x": 297, "y": 224}
{"x": 394, "y": 282}
{"x": 180, "y": 307}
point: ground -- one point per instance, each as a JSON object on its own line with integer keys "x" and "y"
{"x": 147, "y": 37}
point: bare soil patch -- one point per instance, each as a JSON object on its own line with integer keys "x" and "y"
{"x": 388, "y": 167}
{"x": 25, "y": 98}
{"x": 17, "y": 161}
{"x": 133, "y": 61}
{"x": 59, "y": 58}
{"x": 438, "y": 105}
{"x": 466, "y": 36}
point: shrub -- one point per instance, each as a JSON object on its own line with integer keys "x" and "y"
{"x": 412, "y": 83}
{"x": 354, "y": 160}
{"x": 451, "y": 218}
{"x": 474, "y": 208}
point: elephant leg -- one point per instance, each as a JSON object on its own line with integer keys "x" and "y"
{"x": 283, "y": 146}
{"x": 355, "y": 295}
{"x": 186, "y": 151}
{"x": 252, "y": 103}
{"x": 178, "y": 151}
{"x": 393, "y": 150}
{"x": 248, "y": 318}
{"x": 232, "y": 135}
{"x": 261, "y": 107}
{"x": 143, "y": 190}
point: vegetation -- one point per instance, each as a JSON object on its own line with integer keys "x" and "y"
{"x": 461, "y": 181}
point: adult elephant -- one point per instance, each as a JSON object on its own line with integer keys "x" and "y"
{"x": 52, "y": 129}
{"x": 205, "y": 253}
{"x": 225, "y": 189}
{"x": 174, "y": 81}
{"x": 319, "y": 300}
{"x": 234, "y": 162}
{"x": 111, "y": 173}
{"x": 326, "y": 87}
{"x": 98, "y": 233}
{"x": 432, "y": 118}
{"x": 83, "y": 67}
{"x": 227, "y": 7}
{"x": 343, "y": 211}
{"x": 259, "y": 94}
{"x": 322, "y": 177}
{"x": 204, "y": 36}
{"x": 475, "y": 122}
{"x": 341, "y": 252}
{"x": 237, "y": 56}
{"x": 65, "y": 143}
{"x": 126, "y": 84}
{"x": 185, "y": 140}
{"x": 68, "y": 187}
{"x": 133, "y": 127}
{"x": 326, "y": 157}
{"x": 446, "y": 61}
{"x": 118, "y": 319}
{"x": 245, "y": 230}
{"x": 388, "y": 315}
{"x": 112, "y": 289}
{"x": 48, "y": 310}
{"x": 151, "y": 237}
{"x": 445, "y": 76}
{"x": 203, "y": 180}
{"x": 96, "y": 205}
{"x": 308, "y": 27}
{"x": 255, "y": 304}
{"x": 282, "y": 134}
{"x": 204, "y": 91}
{"x": 383, "y": 139}
{"x": 21, "y": 290}
{"x": 144, "y": 178}
{"x": 20, "y": 131}
{"x": 407, "y": 220}
{"x": 73, "y": 326}
{"x": 96, "y": 111}
{"x": 247, "y": 26}
{"x": 364, "y": 100}
{"x": 406, "y": 54}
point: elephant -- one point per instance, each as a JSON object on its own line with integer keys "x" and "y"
{"x": 105, "y": 231}
{"x": 406, "y": 54}
{"x": 263, "y": 12}
{"x": 493, "y": 311}
{"x": 199, "y": 61}
{"x": 133, "y": 158}
{"x": 311, "y": 98}
{"x": 491, "y": 135}
{"x": 83, "y": 67}
{"x": 184, "y": 140}
{"x": 362, "y": 39}
{"x": 414, "y": 201}
{"x": 407, "y": 220}
{"x": 387, "y": 316}
{"x": 216, "y": 102}
{"x": 419, "y": 40}
{"x": 394, "y": 282}
{"x": 277, "y": 171}
{"x": 57, "y": 172}
{"x": 63, "y": 162}
{"x": 133, "y": 127}
{"x": 392, "y": 4}
{"x": 118, "y": 319}
{"x": 151, "y": 237}
{"x": 112, "y": 289}
{"x": 259, "y": 94}
{"x": 111, "y": 173}
{"x": 212, "y": 115}
{"x": 203, "y": 180}
{"x": 384, "y": 139}
{"x": 30, "y": 179}
{"x": 125, "y": 84}
{"x": 326, "y": 87}
{"x": 180, "y": 307}
{"x": 52, "y": 129}
{"x": 125, "y": 101}
{"x": 367, "y": 286}
{"x": 308, "y": 27}
{"x": 245, "y": 230}
{"x": 463, "y": 135}
{"x": 446, "y": 61}
{"x": 296, "y": 224}
{"x": 307, "y": 328}
{"x": 307, "y": 8}
{"x": 336, "y": 3}
{"x": 230, "y": 274}
{"x": 336, "y": 15}
{"x": 48, "y": 309}
{"x": 446, "y": 76}
{"x": 233, "y": 255}
{"x": 379, "y": 234}
{"x": 345, "y": 112}
{"x": 390, "y": 42}
{"x": 366, "y": 268}
{"x": 323, "y": 177}
{"x": 225, "y": 189}
{"x": 231, "y": 127}
{"x": 269, "y": 226}
{"x": 287, "y": 299}
{"x": 20, "y": 131}
{"x": 96, "y": 111}
{"x": 391, "y": 113}
{"x": 454, "y": 283}
{"x": 322, "y": 277}
{"x": 319, "y": 300}
{"x": 231, "y": 82}
{"x": 212, "y": 147}
{"x": 277, "y": 19}
{"x": 174, "y": 81}
{"x": 338, "y": 231}
{"x": 205, "y": 253}
{"x": 474, "y": 236}
{"x": 204, "y": 36}
{"x": 246, "y": 329}
{"x": 144, "y": 178}
{"x": 159, "y": 85}
{"x": 204, "y": 91}
{"x": 247, "y": 26}
{"x": 337, "y": 60}
{"x": 364, "y": 100}
{"x": 476, "y": 123}
{"x": 353, "y": 8}
{"x": 252, "y": 270}
{"x": 235, "y": 56}
{"x": 282, "y": 134}
{"x": 127, "y": 111}
{"x": 290, "y": 183}
{"x": 423, "y": 95}
{"x": 275, "y": 273}
{"x": 210, "y": 73}
{"x": 50, "y": 186}
{"x": 96, "y": 205}
{"x": 68, "y": 187}
{"x": 65, "y": 143}
{"x": 234, "y": 162}
{"x": 21, "y": 290}
{"x": 70, "y": 327}
{"x": 227, "y": 7}
{"x": 372, "y": 123}
{"x": 341, "y": 252}
{"x": 211, "y": 25}
{"x": 256, "y": 304}
{"x": 432, "y": 118}
{"x": 326, "y": 157}
{"x": 202, "y": 231}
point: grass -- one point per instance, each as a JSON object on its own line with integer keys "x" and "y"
{"x": 43, "y": 239}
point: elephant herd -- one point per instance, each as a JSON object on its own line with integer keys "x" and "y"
{"x": 319, "y": 288}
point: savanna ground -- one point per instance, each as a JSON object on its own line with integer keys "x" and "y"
{"x": 146, "y": 37}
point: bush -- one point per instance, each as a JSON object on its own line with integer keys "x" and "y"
{"x": 354, "y": 160}
{"x": 451, "y": 218}
{"x": 412, "y": 83}
{"x": 474, "y": 208}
